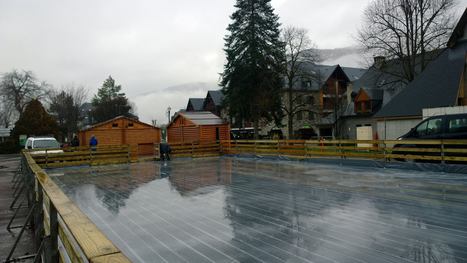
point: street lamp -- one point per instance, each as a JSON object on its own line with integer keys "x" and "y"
{"x": 168, "y": 113}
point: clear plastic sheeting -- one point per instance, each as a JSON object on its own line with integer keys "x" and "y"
{"x": 269, "y": 210}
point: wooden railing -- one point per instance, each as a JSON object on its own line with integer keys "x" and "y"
{"x": 195, "y": 149}
{"x": 84, "y": 155}
{"x": 418, "y": 150}
{"x": 63, "y": 232}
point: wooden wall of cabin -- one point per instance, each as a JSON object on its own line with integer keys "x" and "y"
{"x": 123, "y": 131}
{"x": 208, "y": 132}
{"x": 185, "y": 134}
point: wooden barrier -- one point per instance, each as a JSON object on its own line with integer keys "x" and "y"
{"x": 195, "y": 149}
{"x": 444, "y": 151}
{"x": 106, "y": 154}
{"x": 65, "y": 233}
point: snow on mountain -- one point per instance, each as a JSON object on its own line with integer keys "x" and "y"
{"x": 346, "y": 56}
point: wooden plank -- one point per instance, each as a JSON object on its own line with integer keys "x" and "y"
{"x": 112, "y": 258}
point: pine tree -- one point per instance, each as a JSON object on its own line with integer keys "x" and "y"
{"x": 251, "y": 81}
{"x": 35, "y": 121}
{"x": 110, "y": 102}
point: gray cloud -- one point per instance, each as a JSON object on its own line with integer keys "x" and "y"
{"x": 146, "y": 45}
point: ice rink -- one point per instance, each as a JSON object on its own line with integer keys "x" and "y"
{"x": 263, "y": 210}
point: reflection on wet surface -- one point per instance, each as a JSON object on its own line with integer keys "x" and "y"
{"x": 247, "y": 210}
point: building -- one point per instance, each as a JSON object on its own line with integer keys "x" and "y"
{"x": 203, "y": 126}
{"x": 195, "y": 104}
{"x": 441, "y": 84}
{"x": 124, "y": 130}
{"x": 213, "y": 102}
{"x": 315, "y": 100}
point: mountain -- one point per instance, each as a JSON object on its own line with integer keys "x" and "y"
{"x": 346, "y": 56}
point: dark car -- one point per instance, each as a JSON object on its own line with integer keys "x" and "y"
{"x": 453, "y": 126}
{"x": 440, "y": 127}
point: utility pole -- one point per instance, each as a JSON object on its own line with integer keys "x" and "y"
{"x": 168, "y": 114}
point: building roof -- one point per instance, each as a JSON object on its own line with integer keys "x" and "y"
{"x": 201, "y": 117}
{"x": 436, "y": 86}
{"x": 318, "y": 75}
{"x": 117, "y": 118}
{"x": 217, "y": 96}
{"x": 354, "y": 73}
{"x": 196, "y": 103}
{"x": 459, "y": 31}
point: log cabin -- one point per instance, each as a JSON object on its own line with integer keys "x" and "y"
{"x": 202, "y": 126}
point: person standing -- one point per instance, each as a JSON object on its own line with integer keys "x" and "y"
{"x": 75, "y": 141}
{"x": 93, "y": 143}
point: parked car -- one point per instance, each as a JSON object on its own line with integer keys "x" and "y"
{"x": 453, "y": 126}
{"x": 40, "y": 145}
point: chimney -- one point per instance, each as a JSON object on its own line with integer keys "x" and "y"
{"x": 379, "y": 61}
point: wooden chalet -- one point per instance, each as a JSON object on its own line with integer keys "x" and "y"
{"x": 202, "y": 126}
{"x": 123, "y": 130}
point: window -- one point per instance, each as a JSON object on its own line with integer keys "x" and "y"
{"x": 114, "y": 125}
{"x": 130, "y": 124}
{"x": 421, "y": 129}
{"x": 457, "y": 125}
{"x": 311, "y": 116}
{"x": 299, "y": 116}
{"x": 309, "y": 100}
{"x": 433, "y": 127}
{"x": 429, "y": 127}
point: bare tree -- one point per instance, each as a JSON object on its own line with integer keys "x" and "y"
{"x": 65, "y": 105}
{"x": 20, "y": 87}
{"x": 407, "y": 30}
{"x": 7, "y": 112}
{"x": 299, "y": 51}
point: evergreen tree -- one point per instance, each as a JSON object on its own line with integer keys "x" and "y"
{"x": 251, "y": 81}
{"x": 109, "y": 102}
{"x": 35, "y": 121}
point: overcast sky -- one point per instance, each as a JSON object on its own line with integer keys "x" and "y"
{"x": 161, "y": 52}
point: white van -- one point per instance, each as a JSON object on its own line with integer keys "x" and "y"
{"x": 42, "y": 143}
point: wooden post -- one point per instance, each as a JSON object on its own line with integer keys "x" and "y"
{"x": 52, "y": 248}
{"x": 39, "y": 216}
{"x": 442, "y": 152}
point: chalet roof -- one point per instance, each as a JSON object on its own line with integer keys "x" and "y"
{"x": 217, "y": 96}
{"x": 354, "y": 73}
{"x": 117, "y": 118}
{"x": 319, "y": 74}
{"x": 436, "y": 86}
{"x": 197, "y": 103}
{"x": 202, "y": 117}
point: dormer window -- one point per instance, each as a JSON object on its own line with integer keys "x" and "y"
{"x": 362, "y": 107}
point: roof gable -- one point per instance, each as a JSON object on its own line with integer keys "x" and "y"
{"x": 216, "y": 96}
{"x": 196, "y": 103}
{"x": 198, "y": 118}
{"x": 97, "y": 125}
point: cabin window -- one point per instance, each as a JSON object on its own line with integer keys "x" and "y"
{"x": 115, "y": 125}
{"x": 130, "y": 124}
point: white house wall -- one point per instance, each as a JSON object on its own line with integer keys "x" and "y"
{"x": 392, "y": 129}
